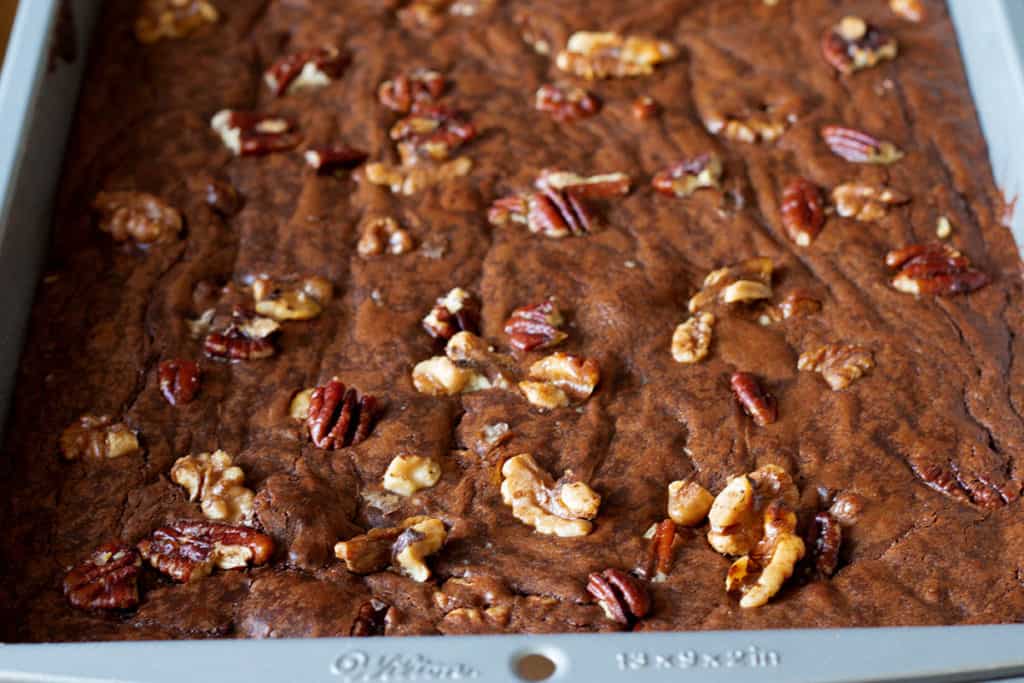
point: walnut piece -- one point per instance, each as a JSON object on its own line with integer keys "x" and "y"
{"x": 382, "y": 235}
{"x": 137, "y": 216}
{"x": 409, "y": 180}
{"x": 405, "y": 546}
{"x": 692, "y": 339}
{"x": 94, "y": 437}
{"x": 560, "y": 379}
{"x": 217, "y": 483}
{"x": 302, "y": 300}
{"x": 556, "y": 508}
{"x": 688, "y": 502}
{"x": 172, "y": 19}
{"x": 190, "y": 549}
{"x": 743, "y": 282}
{"x": 407, "y": 474}
{"x": 107, "y": 579}
{"x": 839, "y": 364}
{"x": 865, "y": 202}
{"x": 592, "y": 55}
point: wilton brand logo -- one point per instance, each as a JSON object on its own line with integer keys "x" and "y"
{"x": 359, "y": 667}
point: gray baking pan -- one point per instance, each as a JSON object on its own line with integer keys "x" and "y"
{"x": 37, "y": 101}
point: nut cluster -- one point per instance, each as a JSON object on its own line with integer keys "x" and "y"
{"x": 555, "y": 508}
{"x": 217, "y": 483}
{"x": 593, "y": 55}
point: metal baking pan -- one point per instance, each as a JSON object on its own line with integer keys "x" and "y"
{"x": 37, "y": 102}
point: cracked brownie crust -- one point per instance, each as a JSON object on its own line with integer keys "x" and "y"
{"x": 901, "y": 412}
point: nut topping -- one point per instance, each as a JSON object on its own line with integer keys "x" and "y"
{"x": 138, "y": 216}
{"x": 839, "y": 364}
{"x": 330, "y": 159}
{"x": 692, "y": 339}
{"x": 825, "y": 536}
{"x": 406, "y": 91}
{"x": 688, "y": 503}
{"x": 594, "y": 55}
{"x": 190, "y": 549}
{"x": 371, "y": 619}
{"x": 407, "y": 474}
{"x": 621, "y": 596}
{"x": 748, "y": 280}
{"x": 756, "y": 402}
{"x": 172, "y": 19}
{"x": 250, "y": 133}
{"x": 803, "y": 213}
{"x": 306, "y": 70}
{"x": 409, "y": 180}
{"x": 457, "y": 311}
{"x": 854, "y": 44}
{"x": 659, "y": 559}
{"x": 213, "y": 480}
{"x": 382, "y": 235}
{"x": 535, "y": 327}
{"x": 302, "y": 300}
{"x": 561, "y": 378}
{"x": 911, "y": 10}
{"x": 431, "y": 132}
{"x": 405, "y": 546}
{"x": 557, "y": 508}
{"x": 179, "y": 380}
{"x": 865, "y": 202}
{"x": 688, "y": 176}
{"x": 858, "y": 147}
{"x": 566, "y": 103}
{"x": 108, "y": 579}
{"x": 934, "y": 268}
{"x": 247, "y": 337}
{"x": 339, "y": 417}
{"x": 98, "y": 438}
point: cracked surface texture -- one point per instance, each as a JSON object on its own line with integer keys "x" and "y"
{"x": 942, "y": 406}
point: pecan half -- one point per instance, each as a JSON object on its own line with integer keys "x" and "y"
{"x": 108, "y": 579}
{"x": 591, "y": 55}
{"x": 138, "y": 216}
{"x": 371, "y": 619}
{"x": 566, "y": 103}
{"x": 865, "y": 202}
{"x": 934, "y": 268}
{"x": 190, "y": 549}
{"x": 251, "y": 133}
{"x": 692, "y": 339}
{"x": 825, "y": 535}
{"x": 409, "y": 180}
{"x": 686, "y": 177}
{"x": 339, "y": 417}
{"x": 172, "y": 19}
{"x": 455, "y": 312}
{"x": 383, "y": 235}
{"x": 743, "y": 282}
{"x": 621, "y": 596}
{"x": 405, "y": 91}
{"x": 431, "y": 132}
{"x": 247, "y": 337}
{"x": 330, "y": 159}
{"x": 839, "y": 364}
{"x": 756, "y": 402}
{"x": 179, "y": 380}
{"x": 561, "y": 508}
{"x": 94, "y": 437}
{"x": 645, "y": 107}
{"x": 803, "y": 212}
{"x": 911, "y": 10}
{"x": 313, "y": 68}
{"x": 659, "y": 559}
{"x": 858, "y": 147}
{"x": 854, "y": 44}
{"x": 535, "y": 327}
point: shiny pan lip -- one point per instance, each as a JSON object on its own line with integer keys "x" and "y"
{"x": 37, "y": 101}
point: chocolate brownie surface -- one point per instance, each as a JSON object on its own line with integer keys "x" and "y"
{"x": 930, "y": 439}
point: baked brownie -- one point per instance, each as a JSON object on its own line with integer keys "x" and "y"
{"x": 424, "y": 317}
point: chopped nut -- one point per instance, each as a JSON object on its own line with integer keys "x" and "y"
{"x": 98, "y": 438}
{"x": 659, "y": 558}
{"x": 405, "y": 546}
{"x": 330, "y": 159}
{"x": 858, "y": 147}
{"x": 371, "y": 619}
{"x": 172, "y": 19}
{"x": 535, "y": 327}
{"x": 803, "y": 213}
{"x": 406, "y": 91}
{"x": 300, "y": 300}
{"x": 692, "y": 339}
{"x": 408, "y": 180}
{"x": 911, "y": 10}
{"x": 247, "y": 337}
{"x": 748, "y": 280}
{"x": 934, "y": 268}
{"x": 620, "y": 595}
{"x": 943, "y": 228}
{"x": 431, "y": 132}
{"x": 562, "y": 509}
{"x": 455, "y": 312}
{"x": 107, "y": 579}
{"x": 688, "y": 176}
{"x": 407, "y": 474}
{"x": 825, "y": 536}
{"x": 573, "y": 376}
{"x": 179, "y": 380}
{"x": 189, "y": 549}
{"x": 865, "y": 202}
{"x": 213, "y": 480}
{"x": 839, "y": 364}
{"x": 644, "y": 107}
{"x": 688, "y": 503}
{"x": 756, "y": 402}
{"x": 138, "y": 216}
{"x": 593, "y": 55}
{"x": 339, "y": 417}
{"x": 306, "y": 70}
{"x": 566, "y": 103}
{"x": 382, "y": 235}
{"x": 251, "y": 133}
{"x": 854, "y": 44}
